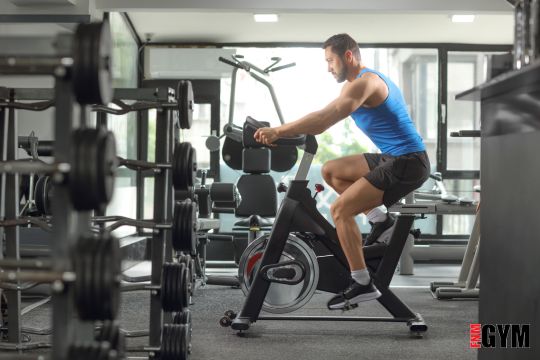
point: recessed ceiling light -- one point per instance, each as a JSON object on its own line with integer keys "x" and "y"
{"x": 266, "y": 17}
{"x": 462, "y": 18}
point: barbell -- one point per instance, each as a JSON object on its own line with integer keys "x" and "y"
{"x": 90, "y": 173}
{"x": 94, "y": 274}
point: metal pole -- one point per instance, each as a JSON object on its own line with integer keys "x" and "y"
{"x": 161, "y": 193}
{"x": 3, "y": 151}
{"x": 12, "y": 233}
{"x": 62, "y": 308}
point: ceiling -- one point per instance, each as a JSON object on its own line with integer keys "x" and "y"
{"x": 307, "y": 6}
{"x": 236, "y": 27}
{"x": 231, "y": 21}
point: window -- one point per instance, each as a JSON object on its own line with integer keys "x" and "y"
{"x": 200, "y": 129}
{"x": 465, "y": 70}
{"x": 124, "y": 127}
{"x": 308, "y": 87}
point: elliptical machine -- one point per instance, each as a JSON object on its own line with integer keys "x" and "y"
{"x": 279, "y": 273}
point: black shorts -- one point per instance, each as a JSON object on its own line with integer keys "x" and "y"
{"x": 397, "y": 176}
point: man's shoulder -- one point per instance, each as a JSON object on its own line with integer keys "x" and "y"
{"x": 369, "y": 76}
{"x": 367, "y": 79}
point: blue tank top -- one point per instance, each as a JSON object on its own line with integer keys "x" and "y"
{"x": 389, "y": 125}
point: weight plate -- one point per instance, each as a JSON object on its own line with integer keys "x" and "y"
{"x": 182, "y": 287}
{"x": 110, "y": 331}
{"x": 182, "y": 259}
{"x": 76, "y": 171}
{"x": 107, "y": 166}
{"x": 83, "y": 181}
{"x": 177, "y": 226}
{"x": 174, "y": 342}
{"x": 176, "y": 289}
{"x": 185, "y": 337}
{"x": 173, "y": 333}
{"x": 193, "y": 270}
{"x": 98, "y": 292}
{"x": 192, "y": 166}
{"x": 92, "y": 64}
{"x": 183, "y": 343}
{"x": 183, "y": 317}
{"x": 183, "y": 228}
{"x": 176, "y": 305}
{"x": 171, "y": 299}
{"x": 43, "y": 195}
{"x": 166, "y": 351}
{"x": 165, "y": 286}
{"x": 185, "y": 259}
{"x": 186, "y": 233}
{"x": 110, "y": 276}
{"x": 186, "y": 286}
{"x": 185, "y": 100}
{"x": 182, "y": 171}
{"x": 193, "y": 228}
{"x": 169, "y": 281}
{"x": 93, "y": 168}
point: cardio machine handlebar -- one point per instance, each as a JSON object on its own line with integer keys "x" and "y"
{"x": 251, "y": 126}
{"x": 233, "y": 64}
{"x": 247, "y": 66}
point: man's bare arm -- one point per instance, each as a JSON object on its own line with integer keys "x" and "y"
{"x": 351, "y": 98}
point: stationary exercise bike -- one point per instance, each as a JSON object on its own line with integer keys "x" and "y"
{"x": 280, "y": 272}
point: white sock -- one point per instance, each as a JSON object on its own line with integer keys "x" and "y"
{"x": 361, "y": 276}
{"x": 376, "y": 215}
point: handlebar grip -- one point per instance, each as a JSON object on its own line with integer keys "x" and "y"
{"x": 229, "y": 62}
{"x": 295, "y": 140}
{"x": 436, "y": 176}
{"x": 251, "y": 126}
{"x": 465, "y": 133}
{"x": 277, "y": 68}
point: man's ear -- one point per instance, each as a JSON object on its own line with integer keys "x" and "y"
{"x": 349, "y": 55}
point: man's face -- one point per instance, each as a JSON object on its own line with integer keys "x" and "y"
{"x": 336, "y": 66}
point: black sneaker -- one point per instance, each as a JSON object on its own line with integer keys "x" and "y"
{"x": 378, "y": 228}
{"x": 354, "y": 294}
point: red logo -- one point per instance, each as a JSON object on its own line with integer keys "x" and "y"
{"x": 475, "y": 338}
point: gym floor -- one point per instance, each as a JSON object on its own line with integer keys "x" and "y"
{"x": 447, "y": 336}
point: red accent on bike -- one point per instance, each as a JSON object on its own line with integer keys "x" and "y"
{"x": 319, "y": 188}
{"x": 253, "y": 260}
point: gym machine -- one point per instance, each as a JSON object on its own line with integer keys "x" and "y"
{"x": 281, "y": 271}
{"x": 466, "y": 286}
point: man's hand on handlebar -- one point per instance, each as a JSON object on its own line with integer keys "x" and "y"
{"x": 266, "y": 135}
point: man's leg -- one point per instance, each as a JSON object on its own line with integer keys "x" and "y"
{"x": 341, "y": 173}
{"x": 358, "y": 197}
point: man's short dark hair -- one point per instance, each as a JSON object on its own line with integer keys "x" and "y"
{"x": 340, "y": 43}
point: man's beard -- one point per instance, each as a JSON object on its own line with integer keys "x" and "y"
{"x": 341, "y": 76}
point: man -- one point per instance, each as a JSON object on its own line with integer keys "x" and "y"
{"x": 363, "y": 181}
